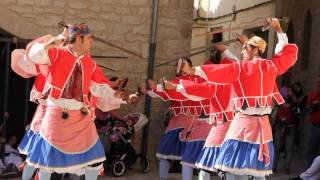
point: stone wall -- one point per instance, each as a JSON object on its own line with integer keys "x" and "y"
{"x": 122, "y": 22}
{"x": 240, "y": 22}
{"x": 173, "y": 35}
{"x": 296, "y": 11}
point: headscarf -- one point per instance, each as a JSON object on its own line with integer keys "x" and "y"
{"x": 258, "y": 42}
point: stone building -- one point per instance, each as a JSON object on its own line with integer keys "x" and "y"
{"x": 304, "y": 30}
{"x": 126, "y": 23}
{"x": 247, "y": 16}
{"x": 226, "y": 18}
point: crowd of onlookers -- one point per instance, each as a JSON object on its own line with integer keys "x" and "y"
{"x": 296, "y": 128}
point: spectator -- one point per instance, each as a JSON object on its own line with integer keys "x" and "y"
{"x": 12, "y": 159}
{"x": 12, "y": 155}
{"x": 312, "y": 173}
{"x": 314, "y": 118}
{"x": 299, "y": 101}
{"x": 285, "y": 130}
{"x": 298, "y": 98}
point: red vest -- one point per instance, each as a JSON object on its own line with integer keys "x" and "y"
{"x": 179, "y": 103}
{"x": 37, "y": 88}
{"x": 254, "y": 81}
{"x": 217, "y": 97}
{"x": 62, "y": 65}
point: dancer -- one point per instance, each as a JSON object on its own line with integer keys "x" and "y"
{"x": 26, "y": 69}
{"x": 219, "y": 115}
{"x": 248, "y": 148}
{"x": 171, "y": 147}
{"x": 181, "y": 128}
{"x": 197, "y": 133}
{"x": 68, "y": 141}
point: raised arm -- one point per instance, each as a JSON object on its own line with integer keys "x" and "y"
{"x": 282, "y": 37}
{"x": 285, "y": 58}
{"x": 196, "y": 91}
{"x": 21, "y": 66}
{"x": 100, "y": 87}
{"x": 218, "y": 73}
{"x": 166, "y": 94}
{"x": 43, "y": 50}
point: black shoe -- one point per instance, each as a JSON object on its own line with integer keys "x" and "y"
{"x": 176, "y": 167}
{"x": 10, "y": 171}
{"x": 196, "y": 172}
{"x": 275, "y": 169}
{"x": 295, "y": 178}
{"x": 287, "y": 171}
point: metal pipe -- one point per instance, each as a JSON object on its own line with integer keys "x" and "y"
{"x": 152, "y": 52}
{"x": 6, "y": 90}
{"x": 63, "y": 24}
{"x": 116, "y": 46}
{"x": 112, "y": 57}
{"x": 26, "y": 103}
{"x": 188, "y": 55}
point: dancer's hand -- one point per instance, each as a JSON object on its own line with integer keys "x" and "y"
{"x": 124, "y": 95}
{"x": 168, "y": 85}
{"x": 151, "y": 84}
{"x": 275, "y": 24}
{"x": 65, "y": 34}
{"x": 61, "y": 38}
{"x": 241, "y": 38}
{"x": 133, "y": 98}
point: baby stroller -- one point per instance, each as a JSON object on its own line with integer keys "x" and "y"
{"x": 120, "y": 153}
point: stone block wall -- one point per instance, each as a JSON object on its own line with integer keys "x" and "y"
{"x": 123, "y": 22}
{"x": 296, "y": 11}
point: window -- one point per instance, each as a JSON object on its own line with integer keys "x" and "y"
{"x": 214, "y": 55}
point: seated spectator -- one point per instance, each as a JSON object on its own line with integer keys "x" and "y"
{"x": 312, "y": 173}
{"x": 313, "y": 104}
{"x": 12, "y": 155}
{"x": 12, "y": 159}
{"x": 285, "y": 130}
{"x": 298, "y": 106}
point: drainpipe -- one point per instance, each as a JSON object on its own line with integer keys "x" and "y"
{"x": 3, "y": 136}
{"x": 152, "y": 52}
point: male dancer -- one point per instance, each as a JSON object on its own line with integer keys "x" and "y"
{"x": 171, "y": 146}
{"x": 248, "y": 148}
{"x": 26, "y": 69}
{"x": 196, "y": 134}
{"x": 219, "y": 115}
{"x": 68, "y": 141}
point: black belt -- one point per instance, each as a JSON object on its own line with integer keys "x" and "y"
{"x": 317, "y": 125}
{"x": 258, "y": 115}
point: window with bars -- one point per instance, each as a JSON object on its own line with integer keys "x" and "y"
{"x": 214, "y": 55}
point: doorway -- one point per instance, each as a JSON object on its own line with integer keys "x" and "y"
{"x": 15, "y": 108}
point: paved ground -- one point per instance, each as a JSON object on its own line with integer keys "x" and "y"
{"x": 135, "y": 174}
{"x": 297, "y": 167}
